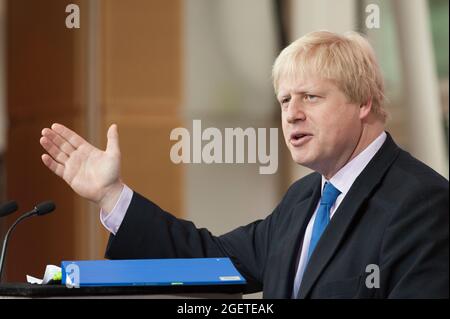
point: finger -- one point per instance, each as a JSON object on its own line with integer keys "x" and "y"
{"x": 58, "y": 140}
{"x": 53, "y": 150}
{"x": 70, "y": 136}
{"x": 54, "y": 166}
{"x": 113, "y": 140}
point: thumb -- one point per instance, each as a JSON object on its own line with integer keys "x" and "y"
{"x": 112, "y": 145}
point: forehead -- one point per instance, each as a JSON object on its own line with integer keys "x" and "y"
{"x": 302, "y": 84}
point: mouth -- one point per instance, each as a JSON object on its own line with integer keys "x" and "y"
{"x": 299, "y": 138}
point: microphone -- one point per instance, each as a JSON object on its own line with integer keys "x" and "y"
{"x": 39, "y": 210}
{"x": 8, "y": 208}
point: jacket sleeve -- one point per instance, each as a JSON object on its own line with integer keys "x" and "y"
{"x": 149, "y": 232}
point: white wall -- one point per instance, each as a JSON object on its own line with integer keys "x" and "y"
{"x": 230, "y": 46}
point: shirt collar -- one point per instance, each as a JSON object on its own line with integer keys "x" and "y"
{"x": 345, "y": 177}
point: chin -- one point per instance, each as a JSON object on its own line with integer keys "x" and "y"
{"x": 301, "y": 158}
{"x": 298, "y": 158}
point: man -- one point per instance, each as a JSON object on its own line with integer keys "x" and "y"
{"x": 369, "y": 205}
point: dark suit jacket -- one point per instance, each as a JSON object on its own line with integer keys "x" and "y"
{"x": 396, "y": 216}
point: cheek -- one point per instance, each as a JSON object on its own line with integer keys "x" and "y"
{"x": 341, "y": 123}
{"x": 340, "y": 133}
{"x": 284, "y": 127}
{"x": 286, "y": 138}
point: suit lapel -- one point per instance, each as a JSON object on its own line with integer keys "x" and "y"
{"x": 340, "y": 223}
{"x": 302, "y": 212}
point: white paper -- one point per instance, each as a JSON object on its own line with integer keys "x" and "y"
{"x": 33, "y": 280}
{"x": 50, "y": 271}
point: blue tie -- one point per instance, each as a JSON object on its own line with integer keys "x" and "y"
{"x": 329, "y": 195}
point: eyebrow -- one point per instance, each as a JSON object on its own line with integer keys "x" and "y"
{"x": 301, "y": 92}
{"x": 282, "y": 96}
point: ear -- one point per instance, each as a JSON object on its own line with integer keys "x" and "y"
{"x": 365, "y": 109}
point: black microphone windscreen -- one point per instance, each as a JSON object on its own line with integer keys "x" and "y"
{"x": 8, "y": 208}
{"x": 45, "y": 208}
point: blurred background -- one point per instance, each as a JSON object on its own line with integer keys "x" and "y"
{"x": 151, "y": 66}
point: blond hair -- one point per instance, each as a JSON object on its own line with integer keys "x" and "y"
{"x": 348, "y": 60}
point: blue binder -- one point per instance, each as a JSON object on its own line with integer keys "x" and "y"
{"x": 151, "y": 272}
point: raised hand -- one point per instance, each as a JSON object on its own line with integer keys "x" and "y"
{"x": 92, "y": 173}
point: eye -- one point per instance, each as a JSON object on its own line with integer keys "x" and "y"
{"x": 310, "y": 98}
{"x": 285, "y": 100}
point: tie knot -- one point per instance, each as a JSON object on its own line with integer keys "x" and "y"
{"x": 330, "y": 193}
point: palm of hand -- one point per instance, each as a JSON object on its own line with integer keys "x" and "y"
{"x": 90, "y": 170}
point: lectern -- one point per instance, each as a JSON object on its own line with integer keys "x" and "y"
{"x": 25, "y": 290}
{"x": 139, "y": 278}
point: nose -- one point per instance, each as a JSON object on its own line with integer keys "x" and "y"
{"x": 295, "y": 112}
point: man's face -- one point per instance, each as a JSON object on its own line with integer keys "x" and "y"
{"x": 321, "y": 127}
